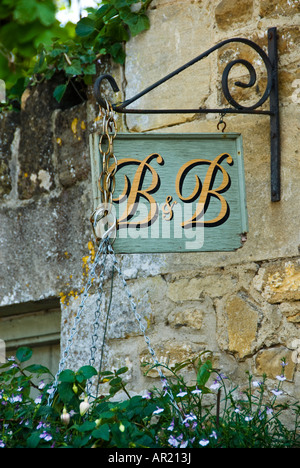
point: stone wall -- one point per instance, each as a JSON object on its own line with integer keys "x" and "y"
{"x": 244, "y": 306}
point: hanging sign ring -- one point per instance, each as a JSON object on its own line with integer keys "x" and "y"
{"x": 104, "y": 222}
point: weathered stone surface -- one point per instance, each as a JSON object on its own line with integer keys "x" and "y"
{"x": 8, "y": 126}
{"x": 228, "y": 12}
{"x": 269, "y": 362}
{"x": 168, "y": 44}
{"x": 41, "y": 245}
{"x": 242, "y": 321}
{"x": 279, "y": 8}
{"x": 279, "y": 282}
{"x": 71, "y": 140}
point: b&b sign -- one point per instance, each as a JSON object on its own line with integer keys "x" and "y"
{"x": 176, "y": 192}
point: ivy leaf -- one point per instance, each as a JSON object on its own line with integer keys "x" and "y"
{"x": 136, "y": 23}
{"x": 102, "y": 432}
{"x": 85, "y": 372}
{"x": 33, "y": 440}
{"x": 85, "y": 27}
{"x": 37, "y": 369}
{"x": 59, "y": 92}
{"x": 67, "y": 376}
{"x": 74, "y": 69}
{"x": 24, "y": 354}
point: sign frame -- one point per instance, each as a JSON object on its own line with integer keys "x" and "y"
{"x": 168, "y": 160}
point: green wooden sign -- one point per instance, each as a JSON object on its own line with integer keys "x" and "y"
{"x": 176, "y": 192}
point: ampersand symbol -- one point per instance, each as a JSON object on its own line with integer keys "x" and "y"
{"x": 168, "y": 208}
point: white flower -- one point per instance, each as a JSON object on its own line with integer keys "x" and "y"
{"x": 38, "y": 400}
{"x": 277, "y": 392}
{"x": 172, "y": 441}
{"x": 215, "y": 386}
{"x": 203, "y": 442}
{"x": 158, "y": 410}
{"x": 65, "y": 417}
{"x": 196, "y": 391}
{"x": 184, "y": 444}
{"x": 256, "y": 384}
{"x": 280, "y": 377}
{"x": 84, "y": 407}
{"x": 181, "y": 394}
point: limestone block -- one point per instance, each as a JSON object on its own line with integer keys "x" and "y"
{"x": 189, "y": 317}
{"x": 229, "y": 12}
{"x": 291, "y": 310}
{"x": 170, "y": 353}
{"x": 242, "y": 321}
{"x": 278, "y": 8}
{"x": 282, "y": 283}
{"x": 178, "y": 34}
{"x": 195, "y": 288}
{"x": 269, "y": 362}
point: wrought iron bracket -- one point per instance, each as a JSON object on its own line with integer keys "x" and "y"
{"x": 270, "y": 61}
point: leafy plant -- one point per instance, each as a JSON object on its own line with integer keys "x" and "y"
{"x": 38, "y": 410}
{"x": 25, "y": 25}
{"x": 34, "y": 47}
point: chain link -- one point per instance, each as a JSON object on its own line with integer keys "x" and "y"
{"x": 106, "y": 181}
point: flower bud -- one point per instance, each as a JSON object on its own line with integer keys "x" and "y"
{"x": 84, "y": 406}
{"x": 75, "y": 389}
{"x": 65, "y": 417}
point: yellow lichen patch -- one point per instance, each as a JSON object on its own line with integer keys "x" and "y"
{"x": 82, "y": 125}
{"x": 87, "y": 259}
{"x": 282, "y": 286}
{"x": 74, "y": 125}
{"x": 59, "y": 141}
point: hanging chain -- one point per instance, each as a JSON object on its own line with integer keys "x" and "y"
{"x": 103, "y": 218}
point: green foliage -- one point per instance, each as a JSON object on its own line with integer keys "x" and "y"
{"x": 34, "y": 46}
{"x": 60, "y": 414}
{"x": 24, "y": 26}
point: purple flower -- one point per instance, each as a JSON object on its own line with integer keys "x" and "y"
{"x": 173, "y": 441}
{"x": 16, "y": 399}
{"x": 2, "y": 444}
{"x": 38, "y": 400}
{"x": 46, "y": 436}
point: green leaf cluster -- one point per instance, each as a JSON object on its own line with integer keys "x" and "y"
{"x": 25, "y": 25}
{"x": 34, "y": 46}
{"x": 175, "y": 415}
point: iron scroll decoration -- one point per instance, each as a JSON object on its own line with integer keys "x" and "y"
{"x": 270, "y": 62}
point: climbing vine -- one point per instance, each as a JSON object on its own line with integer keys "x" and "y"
{"x": 73, "y": 53}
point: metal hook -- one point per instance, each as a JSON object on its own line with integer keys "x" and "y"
{"x": 221, "y": 122}
{"x": 103, "y": 102}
